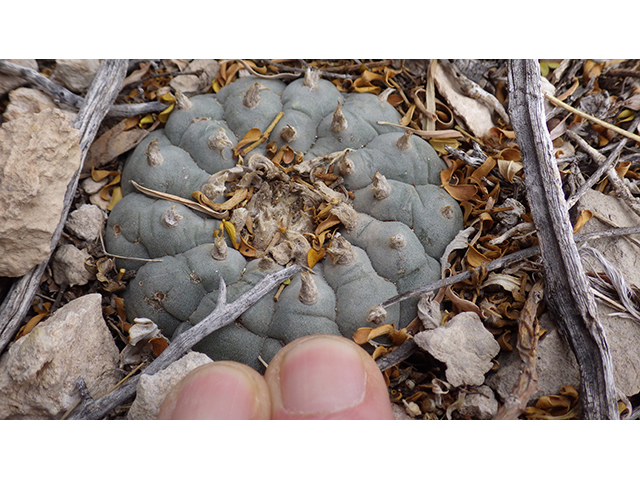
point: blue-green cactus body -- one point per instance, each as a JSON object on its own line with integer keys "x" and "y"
{"x": 388, "y": 247}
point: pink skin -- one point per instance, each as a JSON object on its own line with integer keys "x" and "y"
{"x": 314, "y": 377}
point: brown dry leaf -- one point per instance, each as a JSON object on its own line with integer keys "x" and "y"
{"x": 246, "y": 249}
{"x": 461, "y": 304}
{"x": 475, "y": 258}
{"x": 363, "y": 335}
{"x": 116, "y": 196}
{"x": 114, "y": 142}
{"x": 484, "y": 169}
{"x": 314, "y": 256}
{"x": 583, "y": 217}
{"x": 158, "y": 344}
{"x": 238, "y": 196}
{"x": 379, "y": 351}
{"x": 499, "y": 134}
{"x": 508, "y": 169}
{"x": 251, "y": 136}
{"x": 33, "y": 321}
{"x": 461, "y": 192}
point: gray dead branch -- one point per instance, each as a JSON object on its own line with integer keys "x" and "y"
{"x": 59, "y": 94}
{"x": 567, "y": 291}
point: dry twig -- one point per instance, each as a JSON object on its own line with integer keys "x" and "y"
{"x": 567, "y": 293}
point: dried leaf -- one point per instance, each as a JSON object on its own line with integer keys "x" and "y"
{"x": 116, "y": 196}
{"x": 475, "y": 258}
{"x": 508, "y": 169}
{"x": 33, "y": 321}
{"x": 363, "y": 335}
{"x": 231, "y": 231}
{"x": 114, "y": 142}
{"x": 507, "y": 282}
{"x": 461, "y": 304}
{"x": 583, "y": 217}
{"x": 461, "y": 192}
{"x": 314, "y": 256}
{"x": 158, "y": 344}
{"x": 246, "y": 249}
{"x": 238, "y": 196}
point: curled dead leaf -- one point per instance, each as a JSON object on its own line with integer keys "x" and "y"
{"x": 583, "y": 217}
{"x": 363, "y": 335}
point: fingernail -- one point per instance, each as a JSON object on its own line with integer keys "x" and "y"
{"x": 322, "y": 375}
{"x": 218, "y": 392}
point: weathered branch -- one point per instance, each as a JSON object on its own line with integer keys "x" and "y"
{"x": 528, "y": 333}
{"x": 567, "y": 292}
{"x": 224, "y": 314}
{"x": 59, "y": 94}
{"x": 103, "y": 91}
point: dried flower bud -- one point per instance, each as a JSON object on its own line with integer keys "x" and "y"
{"x": 220, "y": 249}
{"x": 377, "y": 315}
{"x": 403, "y": 142}
{"x": 309, "y": 293}
{"x": 182, "y": 102}
{"x": 311, "y": 78}
{"x": 289, "y": 133}
{"x": 339, "y": 121}
{"x": 171, "y": 218}
{"x": 154, "y": 158}
{"x": 252, "y": 97}
{"x": 341, "y": 251}
{"x": 381, "y": 188}
{"x": 398, "y": 242}
{"x": 219, "y": 140}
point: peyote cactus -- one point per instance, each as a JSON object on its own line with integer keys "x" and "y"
{"x": 287, "y": 173}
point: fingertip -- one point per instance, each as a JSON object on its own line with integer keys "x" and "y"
{"x": 326, "y": 377}
{"x": 218, "y": 391}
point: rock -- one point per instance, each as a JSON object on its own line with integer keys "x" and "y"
{"x": 464, "y": 345}
{"x": 9, "y": 82}
{"x": 197, "y": 83}
{"x": 480, "y": 404}
{"x": 556, "y": 365}
{"x": 152, "y": 389}
{"x": 39, "y": 371}
{"x": 68, "y": 266}
{"x": 623, "y": 335}
{"x": 75, "y": 74}
{"x": 38, "y": 155}
{"x": 29, "y": 100}
{"x": 86, "y": 222}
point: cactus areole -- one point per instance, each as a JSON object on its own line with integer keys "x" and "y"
{"x": 274, "y": 174}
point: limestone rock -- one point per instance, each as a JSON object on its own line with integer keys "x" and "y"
{"x": 152, "y": 389}
{"x": 39, "y": 371}
{"x": 75, "y": 74}
{"x": 480, "y": 404}
{"x": 68, "y": 266}
{"x": 9, "y": 82}
{"x": 464, "y": 345}
{"x": 86, "y": 222}
{"x": 29, "y": 100}
{"x": 38, "y": 155}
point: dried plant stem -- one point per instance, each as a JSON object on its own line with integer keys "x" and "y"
{"x": 567, "y": 292}
{"x": 59, "y": 94}
{"x": 607, "y": 125}
{"x": 616, "y": 182}
{"x": 528, "y": 333}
